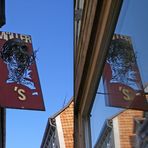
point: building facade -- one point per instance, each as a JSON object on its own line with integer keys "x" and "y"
{"x": 119, "y": 130}
{"x": 59, "y": 129}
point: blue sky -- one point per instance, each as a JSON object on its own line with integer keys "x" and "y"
{"x": 50, "y": 23}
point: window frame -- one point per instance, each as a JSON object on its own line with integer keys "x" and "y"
{"x": 97, "y": 27}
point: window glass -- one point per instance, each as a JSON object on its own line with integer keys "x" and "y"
{"x": 100, "y": 113}
{"x": 132, "y": 26}
{"x": 133, "y": 22}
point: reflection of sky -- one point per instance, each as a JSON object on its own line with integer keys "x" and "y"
{"x": 132, "y": 22}
{"x": 100, "y": 113}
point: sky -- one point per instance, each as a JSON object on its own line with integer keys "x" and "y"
{"x": 50, "y": 24}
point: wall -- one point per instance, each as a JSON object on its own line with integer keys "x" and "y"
{"x": 126, "y": 127}
{"x": 67, "y": 125}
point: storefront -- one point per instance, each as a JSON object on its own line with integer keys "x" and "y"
{"x": 101, "y": 21}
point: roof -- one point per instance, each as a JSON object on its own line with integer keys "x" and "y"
{"x": 107, "y": 126}
{"x": 50, "y": 127}
{"x": 62, "y": 109}
{"x": 117, "y": 114}
{"x": 49, "y": 130}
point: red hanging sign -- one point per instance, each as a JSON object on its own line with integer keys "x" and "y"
{"x": 121, "y": 77}
{"x": 19, "y": 81}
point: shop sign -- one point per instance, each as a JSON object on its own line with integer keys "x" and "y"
{"x": 121, "y": 77}
{"x": 19, "y": 81}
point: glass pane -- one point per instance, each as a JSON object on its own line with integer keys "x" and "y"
{"x": 100, "y": 113}
{"x": 133, "y": 22}
{"x": 112, "y": 126}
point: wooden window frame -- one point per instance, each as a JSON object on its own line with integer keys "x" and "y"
{"x": 97, "y": 27}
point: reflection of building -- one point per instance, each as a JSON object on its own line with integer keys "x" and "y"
{"x": 59, "y": 129}
{"x": 93, "y": 34}
{"x": 119, "y": 131}
{"x": 121, "y": 75}
{"x": 141, "y": 129}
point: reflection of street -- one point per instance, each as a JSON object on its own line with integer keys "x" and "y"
{"x": 123, "y": 95}
{"x": 146, "y": 91}
{"x": 130, "y": 78}
{"x": 120, "y": 127}
{"x": 128, "y": 94}
{"x": 121, "y": 60}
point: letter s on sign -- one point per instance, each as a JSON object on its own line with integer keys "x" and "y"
{"x": 126, "y": 94}
{"x": 22, "y": 96}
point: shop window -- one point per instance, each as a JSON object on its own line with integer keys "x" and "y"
{"x": 132, "y": 23}
{"x": 99, "y": 113}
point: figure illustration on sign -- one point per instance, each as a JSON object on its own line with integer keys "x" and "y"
{"x": 121, "y": 76}
{"x": 16, "y": 55}
{"x": 122, "y": 61}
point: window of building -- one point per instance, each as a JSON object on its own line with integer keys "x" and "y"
{"x": 132, "y": 23}
{"x": 99, "y": 113}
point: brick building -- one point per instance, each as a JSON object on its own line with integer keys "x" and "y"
{"x": 59, "y": 129}
{"x": 119, "y": 131}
